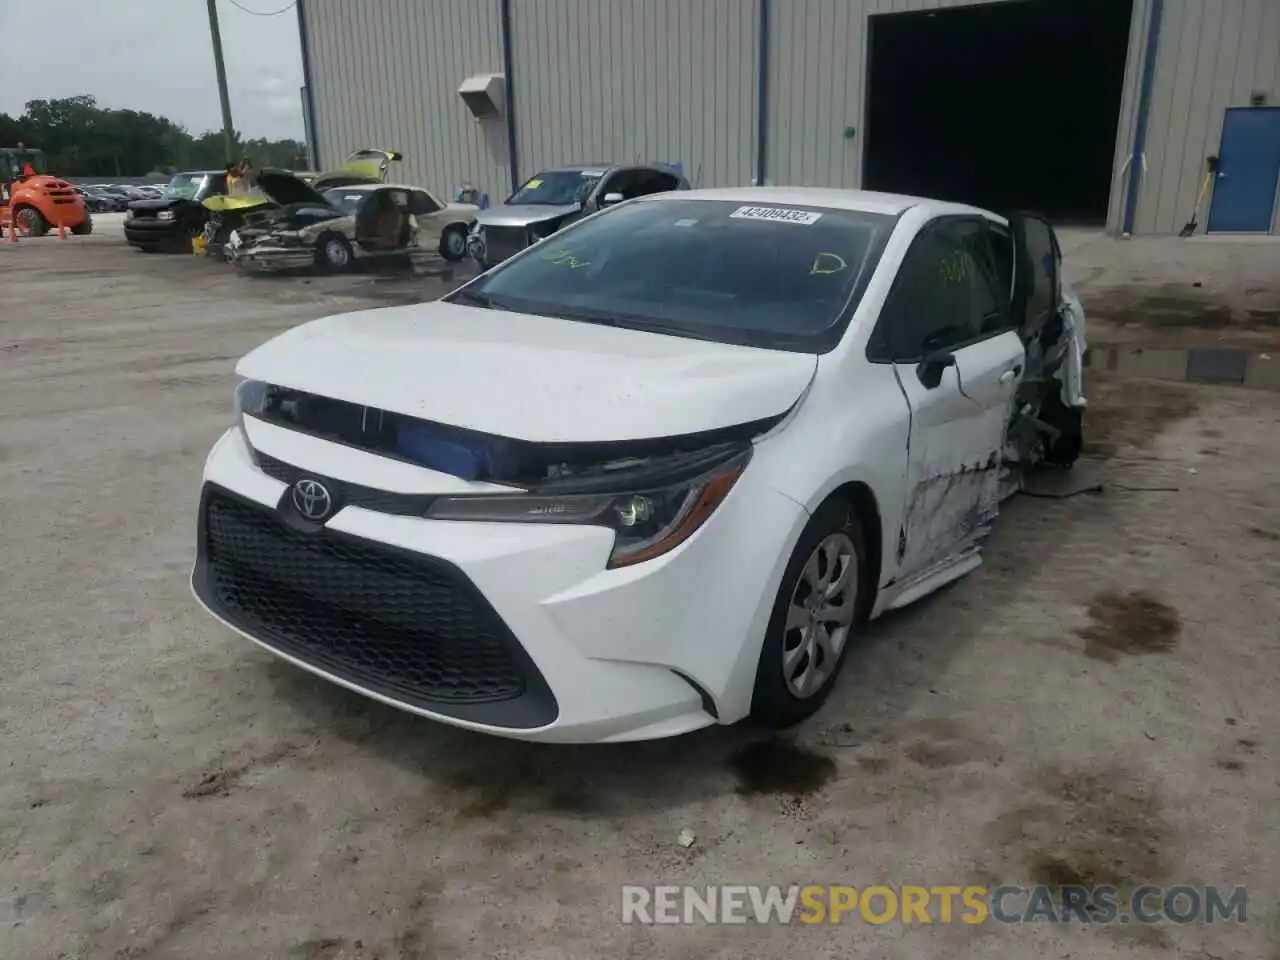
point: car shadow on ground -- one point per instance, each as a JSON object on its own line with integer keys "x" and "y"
{"x": 892, "y": 672}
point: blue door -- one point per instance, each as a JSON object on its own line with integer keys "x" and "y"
{"x": 1244, "y": 192}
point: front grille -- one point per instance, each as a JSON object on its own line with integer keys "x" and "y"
{"x": 504, "y": 242}
{"x": 350, "y": 494}
{"x": 409, "y": 627}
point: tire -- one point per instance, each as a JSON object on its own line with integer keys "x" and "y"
{"x": 84, "y": 228}
{"x": 1065, "y": 449}
{"x": 31, "y": 222}
{"x": 453, "y": 244}
{"x": 334, "y": 253}
{"x": 787, "y": 690}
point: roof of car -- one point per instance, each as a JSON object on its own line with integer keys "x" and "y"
{"x": 866, "y": 201}
{"x": 575, "y": 167}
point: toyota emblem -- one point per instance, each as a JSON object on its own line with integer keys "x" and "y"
{"x": 312, "y": 499}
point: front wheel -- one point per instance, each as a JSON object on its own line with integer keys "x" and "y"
{"x": 333, "y": 253}
{"x": 31, "y": 222}
{"x": 84, "y": 227}
{"x": 453, "y": 244}
{"x": 814, "y": 616}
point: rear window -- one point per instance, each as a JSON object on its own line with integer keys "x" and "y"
{"x": 770, "y": 275}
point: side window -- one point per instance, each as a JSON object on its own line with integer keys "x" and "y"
{"x": 422, "y": 203}
{"x": 945, "y": 294}
{"x": 1041, "y": 267}
{"x": 1002, "y": 258}
{"x": 623, "y": 182}
{"x": 653, "y": 181}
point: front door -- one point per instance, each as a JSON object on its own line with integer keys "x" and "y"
{"x": 1244, "y": 190}
{"x": 947, "y": 329}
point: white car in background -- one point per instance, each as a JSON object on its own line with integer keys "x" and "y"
{"x": 650, "y": 474}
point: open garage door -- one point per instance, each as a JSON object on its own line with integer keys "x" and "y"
{"x": 1006, "y": 105}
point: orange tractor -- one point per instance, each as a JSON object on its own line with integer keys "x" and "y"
{"x": 35, "y": 201}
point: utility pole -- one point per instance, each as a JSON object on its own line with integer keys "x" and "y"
{"x": 228, "y": 131}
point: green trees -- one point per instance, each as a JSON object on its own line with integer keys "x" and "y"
{"x": 80, "y": 138}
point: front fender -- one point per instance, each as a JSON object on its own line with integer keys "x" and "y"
{"x": 853, "y": 426}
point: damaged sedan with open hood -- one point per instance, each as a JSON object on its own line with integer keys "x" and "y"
{"x": 652, "y": 474}
{"x": 344, "y": 226}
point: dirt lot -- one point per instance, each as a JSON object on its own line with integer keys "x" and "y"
{"x": 1096, "y": 704}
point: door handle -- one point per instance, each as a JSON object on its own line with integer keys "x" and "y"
{"x": 1008, "y": 375}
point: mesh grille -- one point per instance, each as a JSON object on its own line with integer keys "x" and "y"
{"x": 412, "y": 629}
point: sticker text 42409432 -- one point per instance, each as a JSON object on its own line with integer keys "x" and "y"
{"x": 776, "y": 215}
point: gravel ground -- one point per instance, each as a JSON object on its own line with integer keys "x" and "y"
{"x": 1095, "y": 704}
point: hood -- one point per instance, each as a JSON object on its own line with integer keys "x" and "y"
{"x": 285, "y": 188}
{"x": 221, "y": 203}
{"x": 524, "y": 214}
{"x": 155, "y": 206}
{"x": 538, "y": 379}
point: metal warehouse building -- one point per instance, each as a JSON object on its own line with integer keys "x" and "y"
{"x": 1093, "y": 111}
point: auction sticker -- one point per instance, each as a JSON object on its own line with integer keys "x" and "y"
{"x": 776, "y": 214}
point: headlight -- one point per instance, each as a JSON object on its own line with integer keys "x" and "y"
{"x": 128, "y": 214}
{"x": 646, "y": 524}
{"x": 164, "y": 215}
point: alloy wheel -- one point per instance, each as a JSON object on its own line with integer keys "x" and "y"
{"x": 820, "y": 615}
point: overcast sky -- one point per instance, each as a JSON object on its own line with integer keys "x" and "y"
{"x": 156, "y": 56}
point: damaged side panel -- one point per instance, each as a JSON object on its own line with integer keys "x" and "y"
{"x": 949, "y": 511}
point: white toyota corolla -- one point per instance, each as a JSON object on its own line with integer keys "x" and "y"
{"x": 652, "y": 473}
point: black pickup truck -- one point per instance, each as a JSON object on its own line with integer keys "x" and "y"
{"x": 171, "y": 222}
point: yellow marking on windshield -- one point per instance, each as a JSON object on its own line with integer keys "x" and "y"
{"x": 533, "y": 185}
{"x": 565, "y": 258}
{"x": 827, "y": 263}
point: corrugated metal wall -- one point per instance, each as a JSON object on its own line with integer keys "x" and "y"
{"x": 626, "y": 80}
{"x": 1128, "y": 113}
{"x": 385, "y": 73}
{"x": 1213, "y": 54}
{"x": 602, "y": 80}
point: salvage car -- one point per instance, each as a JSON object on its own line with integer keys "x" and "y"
{"x": 173, "y": 221}
{"x": 652, "y": 474}
{"x": 346, "y": 225}
{"x": 555, "y": 198}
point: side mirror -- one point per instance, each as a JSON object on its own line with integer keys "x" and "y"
{"x": 610, "y": 199}
{"x": 930, "y": 368}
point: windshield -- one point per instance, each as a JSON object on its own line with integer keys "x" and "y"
{"x": 783, "y": 277}
{"x": 344, "y": 200}
{"x": 557, "y": 188}
{"x": 184, "y": 186}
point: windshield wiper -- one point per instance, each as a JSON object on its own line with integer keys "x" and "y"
{"x": 476, "y": 299}
{"x": 628, "y": 322}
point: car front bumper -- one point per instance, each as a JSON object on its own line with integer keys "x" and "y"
{"x": 150, "y": 232}
{"x": 270, "y": 258}
{"x": 511, "y": 629}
